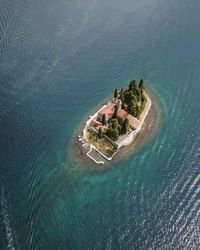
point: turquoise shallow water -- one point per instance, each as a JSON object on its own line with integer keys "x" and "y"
{"x": 58, "y": 59}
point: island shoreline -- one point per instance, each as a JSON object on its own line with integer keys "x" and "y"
{"x": 146, "y": 133}
{"x": 131, "y": 138}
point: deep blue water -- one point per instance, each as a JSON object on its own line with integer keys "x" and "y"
{"x": 58, "y": 59}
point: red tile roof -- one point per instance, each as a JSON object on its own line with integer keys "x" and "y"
{"x": 97, "y": 125}
{"x": 122, "y": 113}
{"x": 108, "y": 110}
{"x": 134, "y": 122}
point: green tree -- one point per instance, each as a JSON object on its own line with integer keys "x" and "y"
{"x": 126, "y": 126}
{"x": 104, "y": 119}
{"x": 133, "y": 99}
{"x": 100, "y": 134}
{"x": 110, "y": 132}
{"x": 131, "y": 85}
{"x": 120, "y": 129}
{"x": 105, "y": 131}
{"x": 115, "y": 115}
{"x": 134, "y": 110}
{"x": 122, "y": 96}
{"x": 143, "y": 104}
{"x": 109, "y": 120}
{"x": 124, "y": 106}
{"x": 134, "y": 84}
{"x": 132, "y": 104}
{"x": 115, "y": 134}
{"x": 138, "y": 111}
{"x": 116, "y": 93}
{"x": 120, "y": 120}
{"x": 137, "y": 93}
{"x": 141, "y": 84}
{"x": 115, "y": 124}
{"x": 128, "y": 96}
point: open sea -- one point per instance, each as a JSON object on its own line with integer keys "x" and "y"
{"x": 58, "y": 60}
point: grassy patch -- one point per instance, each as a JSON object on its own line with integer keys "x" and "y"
{"x": 101, "y": 145}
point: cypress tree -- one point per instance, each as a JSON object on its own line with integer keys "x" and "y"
{"x": 110, "y": 132}
{"x": 116, "y": 93}
{"x": 120, "y": 129}
{"x": 134, "y": 84}
{"x": 122, "y": 96}
{"x": 120, "y": 120}
{"x": 131, "y": 85}
{"x": 126, "y": 126}
{"x": 115, "y": 115}
{"x": 132, "y": 105}
{"x": 124, "y": 106}
{"x": 133, "y": 99}
{"x": 115, "y": 124}
{"x": 138, "y": 112}
{"x": 128, "y": 96}
{"x": 104, "y": 119}
{"x": 137, "y": 92}
{"x": 100, "y": 134}
{"x": 141, "y": 85}
{"x": 115, "y": 134}
{"x": 134, "y": 110}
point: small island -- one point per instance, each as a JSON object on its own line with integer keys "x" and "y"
{"x": 117, "y": 123}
